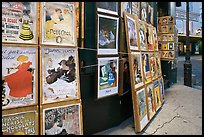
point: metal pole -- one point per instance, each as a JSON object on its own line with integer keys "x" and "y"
{"x": 187, "y": 64}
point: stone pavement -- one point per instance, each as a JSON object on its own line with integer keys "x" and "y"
{"x": 181, "y": 114}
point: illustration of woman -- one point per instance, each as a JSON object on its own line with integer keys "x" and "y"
{"x": 137, "y": 75}
{"x": 20, "y": 82}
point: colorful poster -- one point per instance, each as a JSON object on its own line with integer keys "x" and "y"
{"x": 170, "y": 20}
{"x": 136, "y": 9}
{"x": 155, "y": 39}
{"x": 59, "y": 75}
{"x": 142, "y": 108}
{"x": 137, "y": 69}
{"x": 161, "y": 87}
{"x": 146, "y": 67}
{"x": 157, "y": 95}
{"x": 58, "y": 23}
{"x": 150, "y": 98}
{"x": 107, "y": 76}
{"x": 164, "y": 46}
{"x": 171, "y": 46}
{"x": 19, "y": 21}
{"x": 144, "y": 11}
{"x": 171, "y": 29}
{"x": 62, "y": 120}
{"x": 149, "y": 36}
{"x": 23, "y": 123}
{"x": 125, "y": 6}
{"x": 142, "y": 33}
{"x": 170, "y": 37}
{"x": 107, "y": 7}
{"x": 152, "y": 65}
{"x": 158, "y": 64}
{"x": 163, "y": 29}
{"x": 171, "y": 54}
{"x": 150, "y": 15}
{"x": 107, "y": 38}
{"x": 18, "y": 76}
{"x": 165, "y": 54}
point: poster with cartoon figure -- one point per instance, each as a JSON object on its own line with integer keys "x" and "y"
{"x": 142, "y": 35}
{"x": 58, "y": 23}
{"x": 62, "y": 120}
{"x": 19, "y": 80}
{"x": 157, "y": 95}
{"x": 19, "y": 22}
{"x": 146, "y": 67}
{"x": 107, "y": 76}
{"x": 59, "y": 75}
{"x": 125, "y": 6}
{"x": 150, "y": 98}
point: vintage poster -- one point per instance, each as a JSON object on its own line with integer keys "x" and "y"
{"x": 163, "y": 29}
{"x": 143, "y": 11}
{"x": 62, "y": 120}
{"x": 158, "y": 63}
{"x": 107, "y": 38}
{"x": 137, "y": 69}
{"x": 165, "y": 54}
{"x": 22, "y": 123}
{"x": 19, "y": 70}
{"x": 136, "y": 9}
{"x": 161, "y": 87}
{"x": 58, "y": 23}
{"x": 157, "y": 95}
{"x": 142, "y": 105}
{"x": 150, "y": 98}
{"x": 149, "y": 36}
{"x": 125, "y": 6}
{"x": 164, "y": 46}
{"x": 59, "y": 75}
{"x": 171, "y": 54}
{"x": 171, "y": 29}
{"x": 146, "y": 67}
{"x": 122, "y": 39}
{"x": 170, "y": 37}
{"x": 132, "y": 33}
{"x": 170, "y": 20}
{"x": 164, "y": 20}
{"x": 155, "y": 39}
{"x": 152, "y": 65}
{"x": 107, "y": 76}
{"x": 107, "y": 7}
{"x": 164, "y": 37}
{"x": 171, "y": 46}
{"x": 150, "y": 15}
{"x": 142, "y": 34}
{"x": 19, "y": 22}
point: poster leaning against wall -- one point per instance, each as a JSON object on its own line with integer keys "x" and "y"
{"x": 19, "y": 76}
{"x": 157, "y": 95}
{"x": 136, "y": 9}
{"x": 150, "y": 100}
{"x": 142, "y": 35}
{"x": 19, "y": 22}
{"x": 146, "y": 67}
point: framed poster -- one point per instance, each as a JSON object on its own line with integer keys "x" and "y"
{"x": 161, "y": 87}
{"x": 122, "y": 38}
{"x": 58, "y": 23}
{"x": 131, "y": 31}
{"x": 136, "y": 9}
{"x": 107, "y": 35}
{"x": 142, "y": 35}
{"x": 165, "y": 54}
{"x": 146, "y": 67}
{"x": 59, "y": 76}
{"x": 157, "y": 95}
{"x": 170, "y": 20}
{"x": 19, "y": 76}
{"x": 152, "y": 65}
{"x": 107, "y": 7}
{"x": 136, "y": 62}
{"x": 19, "y": 22}
{"x": 158, "y": 64}
{"x": 149, "y": 36}
{"x": 164, "y": 37}
{"x": 170, "y": 37}
{"x": 171, "y": 54}
{"x": 155, "y": 38}
{"x": 143, "y": 15}
{"x": 163, "y": 29}
{"x": 150, "y": 15}
{"x": 150, "y": 100}
{"x": 125, "y": 6}
{"x": 171, "y": 29}
{"x": 21, "y": 121}
{"x": 171, "y": 46}
{"x": 107, "y": 76}
{"x": 61, "y": 119}
{"x": 164, "y": 46}
{"x": 142, "y": 106}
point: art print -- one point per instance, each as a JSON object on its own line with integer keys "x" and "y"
{"x": 170, "y": 20}
{"x": 161, "y": 87}
{"x": 164, "y": 37}
{"x": 125, "y": 6}
{"x": 123, "y": 41}
{"x": 137, "y": 69}
{"x": 171, "y": 46}
{"x": 164, "y": 47}
{"x": 107, "y": 76}
{"x": 144, "y": 11}
{"x": 171, "y": 29}
{"x": 107, "y": 7}
{"x": 151, "y": 101}
{"x": 58, "y": 23}
{"x": 165, "y": 54}
{"x": 142, "y": 33}
{"x": 149, "y": 36}
{"x": 59, "y": 75}
{"x": 158, "y": 63}
{"x": 19, "y": 69}
{"x": 150, "y": 15}
{"x": 19, "y": 21}
{"x": 142, "y": 105}
{"x": 107, "y": 38}
{"x": 157, "y": 94}
{"x": 152, "y": 65}
{"x": 155, "y": 39}
{"x": 136, "y": 9}
{"x": 146, "y": 67}
{"x": 170, "y": 37}
{"x": 163, "y": 29}
{"x": 171, "y": 54}
{"x": 23, "y": 123}
{"x": 62, "y": 120}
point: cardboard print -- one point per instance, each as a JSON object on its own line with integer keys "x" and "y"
{"x": 152, "y": 65}
{"x": 107, "y": 7}
{"x": 155, "y": 39}
{"x": 137, "y": 69}
{"x": 142, "y": 33}
{"x": 158, "y": 63}
{"x": 150, "y": 98}
{"x": 171, "y": 46}
{"x": 23, "y": 123}
{"x": 58, "y": 23}
{"x": 19, "y": 21}
{"x": 146, "y": 67}
{"x": 149, "y": 36}
{"x": 18, "y": 76}
{"x": 144, "y": 11}
{"x": 125, "y": 6}
{"x": 150, "y": 15}
{"x": 59, "y": 75}
{"x": 142, "y": 108}
{"x": 107, "y": 76}
{"x": 107, "y": 38}
{"x": 136, "y": 9}
{"x": 161, "y": 87}
{"x": 62, "y": 120}
{"x": 157, "y": 94}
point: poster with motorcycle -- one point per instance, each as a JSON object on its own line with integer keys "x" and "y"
{"x": 19, "y": 76}
{"x": 19, "y": 22}
{"x": 59, "y": 75}
{"x": 58, "y": 23}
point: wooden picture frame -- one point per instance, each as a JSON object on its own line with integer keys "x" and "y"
{"x": 58, "y": 24}
{"x": 157, "y": 96}
{"x": 146, "y": 67}
{"x": 107, "y": 7}
{"x": 19, "y": 75}
{"x": 155, "y": 38}
{"x": 149, "y": 36}
{"x": 150, "y": 15}
{"x": 152, "y": 65}
{"x": 59, "y": 76}
{"x": 54, "y": 118}
{"x": 107, "y": 34}
{"x": 20, "y": 22}
{"x": 125, "y": 6}
{"x": 143, "y": 15}
{"x": 161, "y": 87}
{"x": 136, "y": 9}
{"x": 108, "y": 68}
{"x": 20, "y": 121}
{"x": 142, "y": 35}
